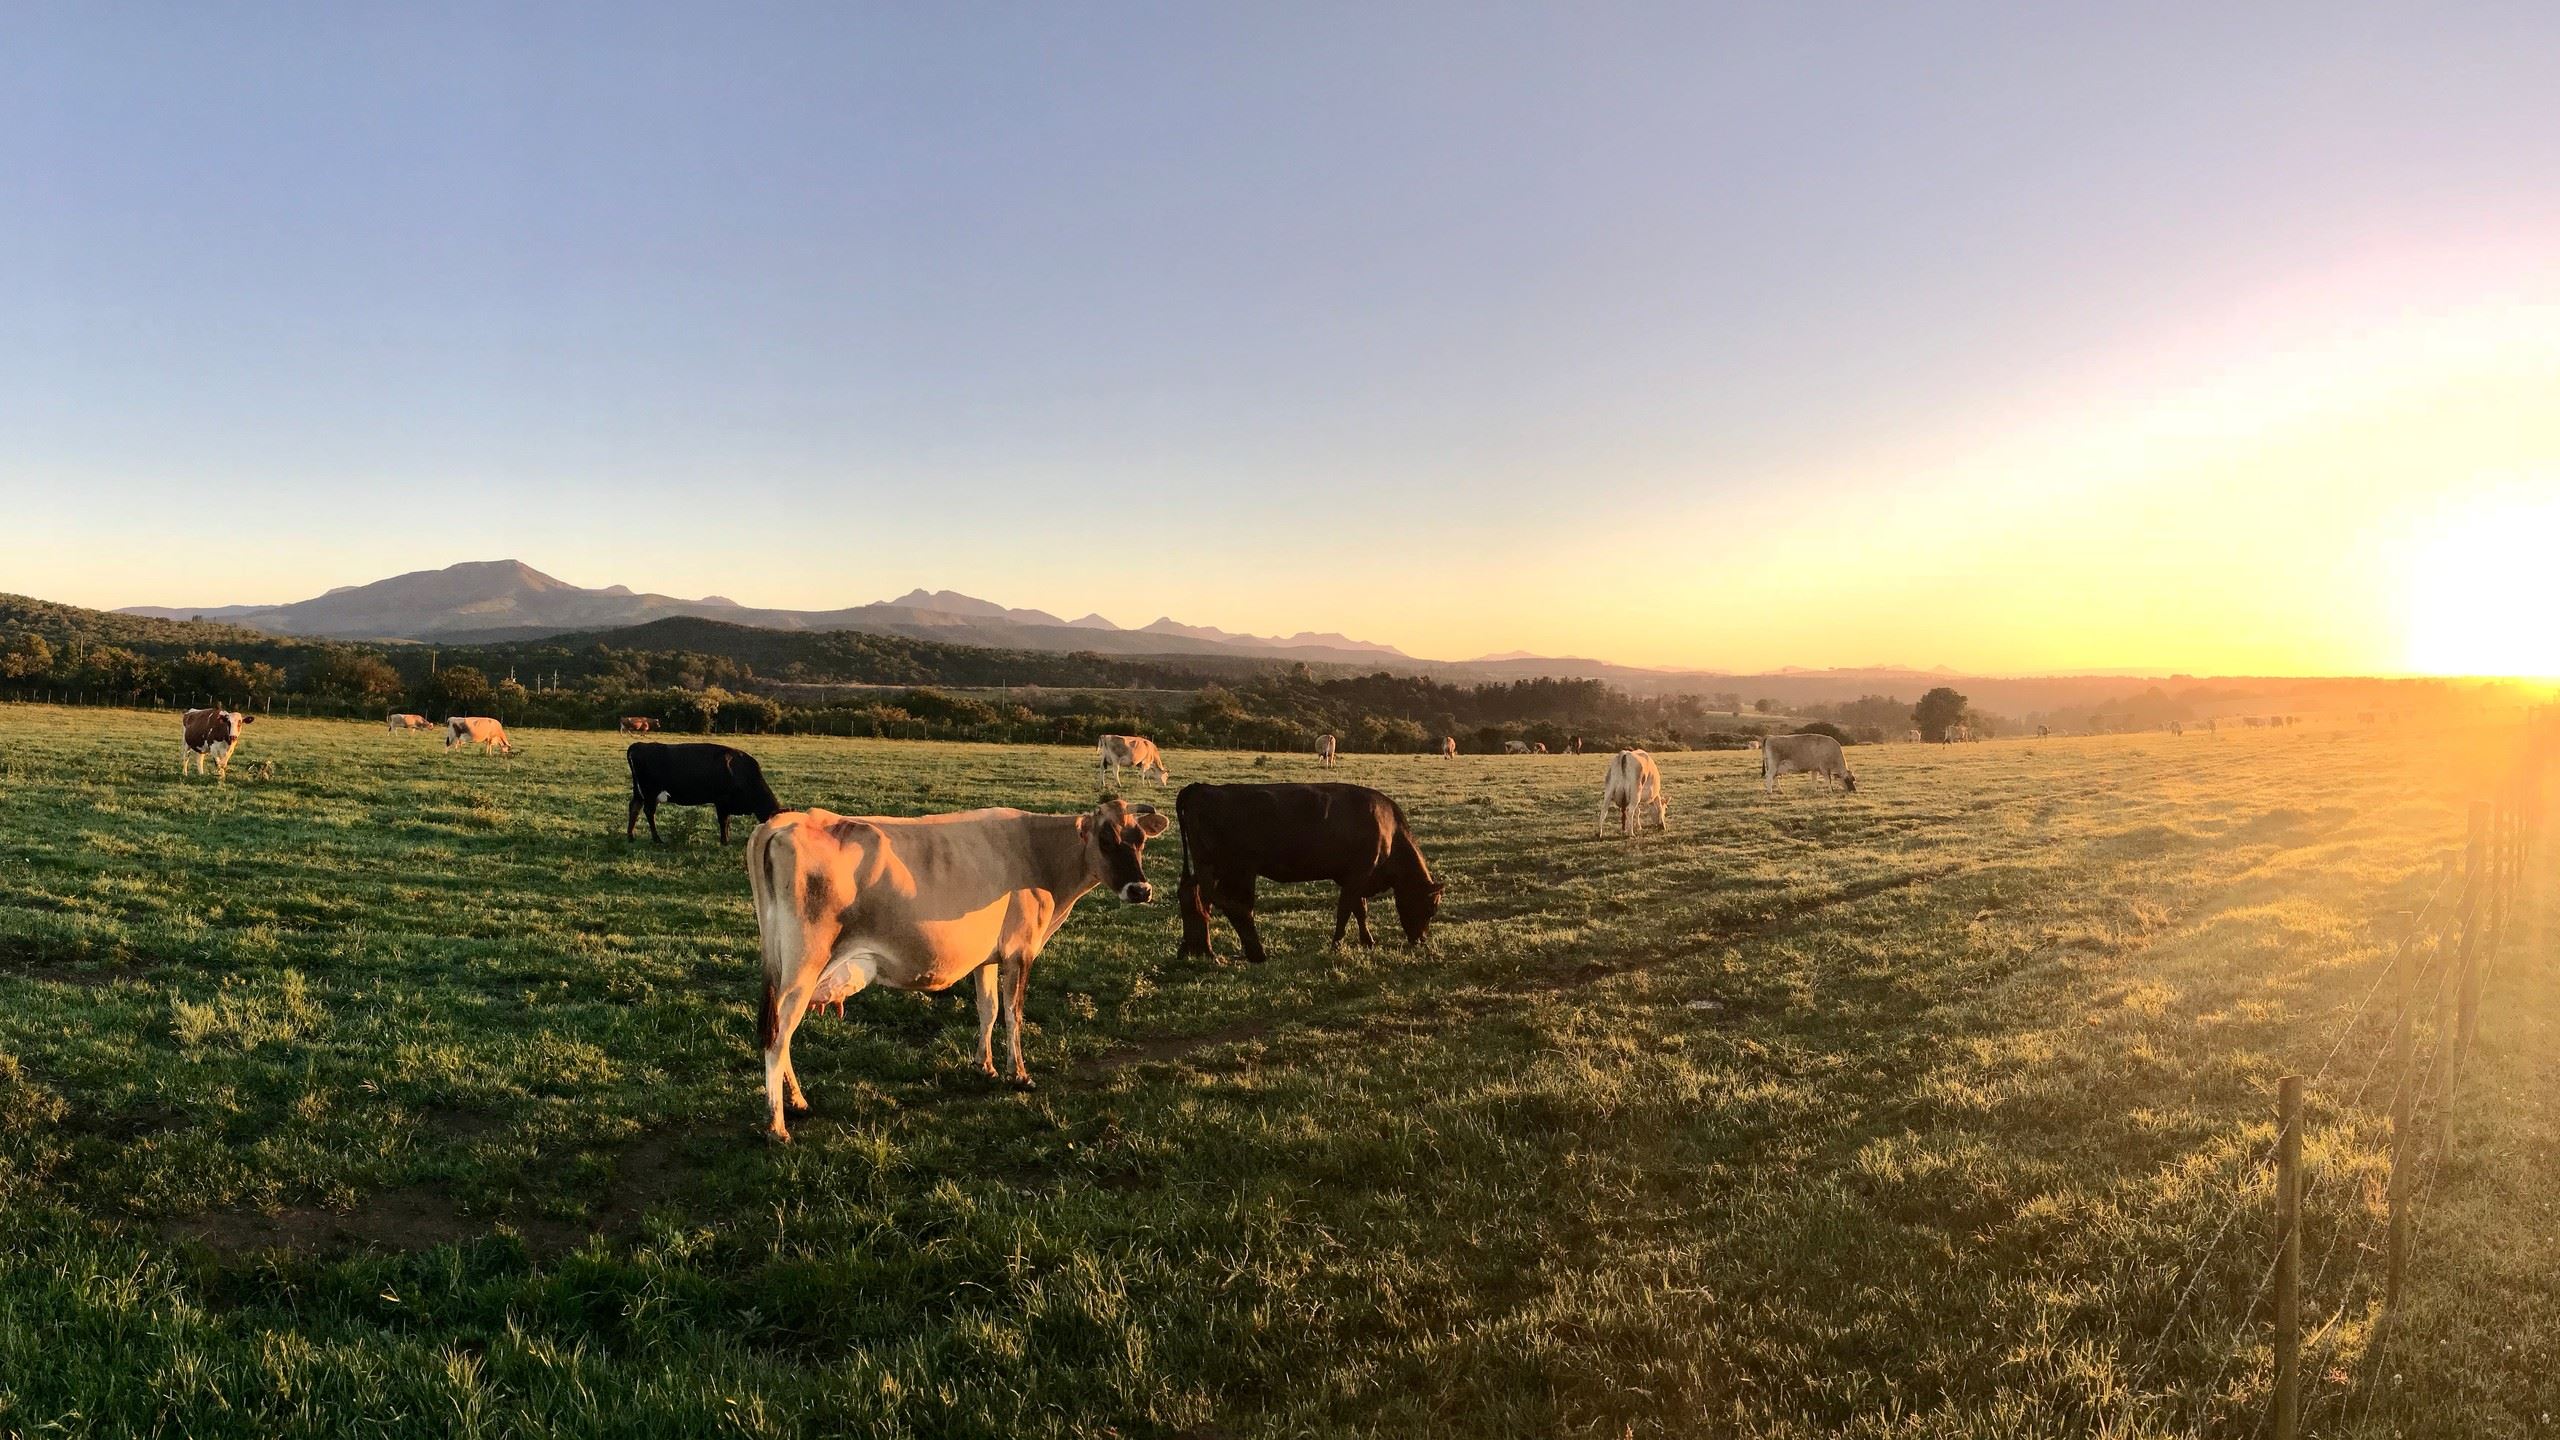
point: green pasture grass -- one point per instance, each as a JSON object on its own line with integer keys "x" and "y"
{"x": 396, "y": 1093}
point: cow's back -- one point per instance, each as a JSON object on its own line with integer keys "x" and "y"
{"x": 1289, "y": 832}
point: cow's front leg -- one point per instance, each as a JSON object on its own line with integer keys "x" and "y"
{"x": 988, "y": 1006}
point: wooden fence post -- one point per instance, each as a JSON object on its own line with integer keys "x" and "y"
{"x": 2404, "y": 968}
{"x": 2289, "y": 1256}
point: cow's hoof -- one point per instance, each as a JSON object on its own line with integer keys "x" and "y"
{"x": 797, "y": 1106}
{"x": 1022, "y": 1082}
{"x": 776, "y": 1135}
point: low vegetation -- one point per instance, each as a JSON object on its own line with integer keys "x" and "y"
{"x": 396, "y": 1094}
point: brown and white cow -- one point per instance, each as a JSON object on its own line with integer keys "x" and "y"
{"x": 1806, "y": 755}
{"x": 1129, "y": 752}
{"x": 399, "y": 722}
{"x": 1633, "y": 791}
{"x": 1324, "y": 751}
{"x": 477, "y": 730}
{"x": 843, "y": 902}
{"x": 210, "y": 736}
{"x": 638, "y": 724}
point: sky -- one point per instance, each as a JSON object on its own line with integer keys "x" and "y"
{"x": 2202, "y": 338}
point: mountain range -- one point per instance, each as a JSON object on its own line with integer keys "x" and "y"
{"x": 498, "y": 600}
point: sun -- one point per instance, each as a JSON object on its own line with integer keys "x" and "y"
{"x": 2484, "y": 590}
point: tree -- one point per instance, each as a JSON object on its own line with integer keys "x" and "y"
{"x": 1765, "y": 706}
{"x": 27, "y": 657}
{"x": 1938, "y": 711}
{"x": 355, "y": 676}
{"x": 454, "y": 690}
{"x": 202, "y": 675}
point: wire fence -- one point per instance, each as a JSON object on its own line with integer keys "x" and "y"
{"x": 2413, "y": 1049}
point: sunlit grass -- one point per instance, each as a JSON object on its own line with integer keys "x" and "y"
{"x": 399, "y": 1090}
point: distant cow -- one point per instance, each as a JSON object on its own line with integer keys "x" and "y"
{"x": 397, "y": 723}
{"x": 2042, "y": 732}
{"x": 1915, "y": 737}
{"x": 922, "y": 904}
{"x": 1233, "y": 835}
{"x": 1515, "y": 747}
{"x": 477, "y": 730}
{"x": 729, "y": 781}
{"x": 1537, "y": 747}
{"x": 1448, "y": 747}
{"x": 211, "y": 736}
{"x": 1804, "y": 755}
{"x": 1324, "y": 751}
{"x": 1129, "y": 752}
{"x": 2177, "y": 729}
{"x": 1573, "y": 746}
{"x": 638, "y": 724}
{"x": 1633, "y": 791}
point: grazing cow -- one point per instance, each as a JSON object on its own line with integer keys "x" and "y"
{"x": 477, "y": 730}
{"x": 1515, "y": 747}
{"x": 1915, "y": 737}
{"x": 397, "y": 723}
{"x": 2042, "y": 732}
{"x": 1233, "y": 835}
{"x": 1634, "y": 791}
{"x": 1573, "y": 746}
{"x": 921, "y": 904}
{"x": 1537, "y": 747}
{"x": 211, "y": 736}
{"x": 1805, "y": 755}
{"x": 2177, "y": 729}
{"x": 1324, "y": 751}
{"x": 1448, "y": 747}
{"x": 729, "y": 781}
{"x": 1132, "y": 752}
{"x": 637, "y": 724}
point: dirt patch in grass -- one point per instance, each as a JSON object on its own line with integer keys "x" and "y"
{"x": 63, "y": 964}
{"x": 417, "y": 1217}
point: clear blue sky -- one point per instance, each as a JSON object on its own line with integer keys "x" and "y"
{"x": 1587, "y": 328}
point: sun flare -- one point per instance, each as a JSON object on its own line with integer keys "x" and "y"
{"x": 2482, "y": 590}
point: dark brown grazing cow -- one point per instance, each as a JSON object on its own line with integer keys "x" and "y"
{"x": 1351, "y": 835}
{"x": 210, "y": 736}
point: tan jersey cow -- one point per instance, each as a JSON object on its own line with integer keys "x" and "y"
{"x": 1448, "y": 747}
{"x": 477, "y": 730}
{"x": 211, "y": 736}
{"x": 1324, "y": 751}
{"x": 1805, "y": 755}
{"x": 1130, "y": 752}
{"x": 397, "y": 723}
{"x": 1634, "y": 792}
{"x": 921, "y": 904}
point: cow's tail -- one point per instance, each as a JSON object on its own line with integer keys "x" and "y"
{"x": 764, "y": 882}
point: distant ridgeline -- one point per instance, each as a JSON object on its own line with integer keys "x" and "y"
{"x": 702, "y": 675}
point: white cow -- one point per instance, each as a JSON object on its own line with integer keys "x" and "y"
{"x": 1804, "y": 755}
{"x": 1324, "y": 751}
{"x": 1131, "y": 752}
{"x": 1634, "y": 792}
{"x": 477, "y": 730}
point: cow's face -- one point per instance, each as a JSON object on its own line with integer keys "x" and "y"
{"x": 1415, "y": 908}
{"x": 1117, "y": 833}
{"x": 1848, "y": 782}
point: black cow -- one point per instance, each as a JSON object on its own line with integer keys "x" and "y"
{"x": 1351, "y": 835}
{"x": 729, "y": 781}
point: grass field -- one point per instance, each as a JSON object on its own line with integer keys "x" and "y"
{"x": 396, "y": 1094}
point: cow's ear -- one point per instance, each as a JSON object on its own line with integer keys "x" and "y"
{"x": 1153, "y": 823}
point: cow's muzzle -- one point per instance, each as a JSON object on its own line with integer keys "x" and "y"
{"x": 1137, "y": 892}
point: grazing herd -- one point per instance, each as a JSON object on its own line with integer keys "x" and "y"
{"x": 921, "y": 903}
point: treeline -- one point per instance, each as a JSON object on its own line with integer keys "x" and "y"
{"x": 704, "y": 676}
